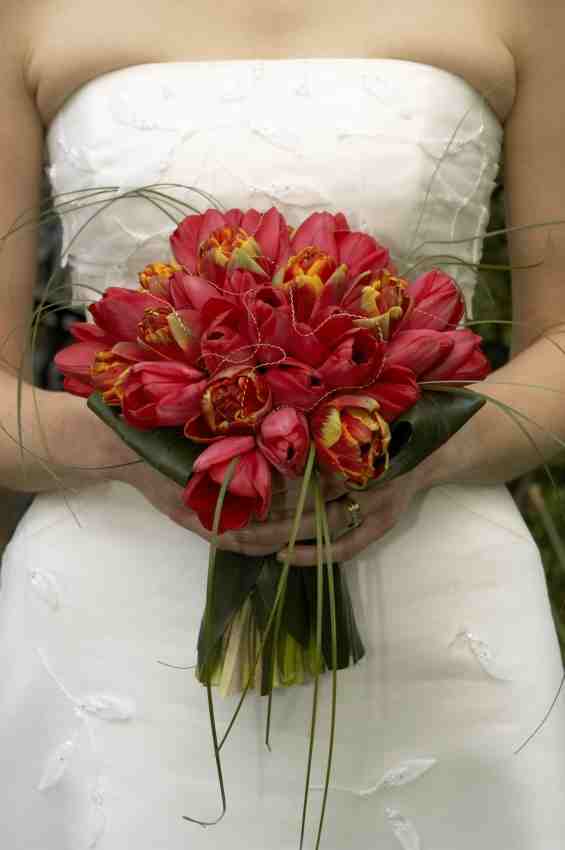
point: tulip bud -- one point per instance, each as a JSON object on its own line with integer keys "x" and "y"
{"x": 465, "y": 363}
{"x": 248, "y": 494}
{"x": 284, "y": 440}
{"x": 418, "y": 350}
{"x": 163, "y": 394}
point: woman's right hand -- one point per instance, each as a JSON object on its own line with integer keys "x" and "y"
{"x": 166, "y": 496}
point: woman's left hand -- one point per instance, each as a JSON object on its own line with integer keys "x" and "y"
{"x": 380, "y": 509}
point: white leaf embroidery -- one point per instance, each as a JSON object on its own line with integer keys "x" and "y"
{"x": 97, "y": 819}
{"x": 404, "y": 830}
{"x": 484, "y": 655}
{"x": 403, "y": 773}
{"x": 45, "y": 587}
{"x": 108, "y": 706}
{"x": 56, "y": 765}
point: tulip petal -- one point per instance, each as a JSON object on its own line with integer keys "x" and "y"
{"x": 76, "y": 387}
{"x": 317, "y": 230}
{"x": 272, "y": 236}
{"x": 77, "y": 359}
{"x": 396, "y": 391}
{"x": 436, "y": 303}
{"x": 223, "y": 450}
{"x": 201, "y": 495}
{"x": 418, "y": 350}
{"x": 120, "y": 310}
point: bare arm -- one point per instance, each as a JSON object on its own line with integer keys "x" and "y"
{"x": 492, "y": 448}
{"x": 63, "y": 418}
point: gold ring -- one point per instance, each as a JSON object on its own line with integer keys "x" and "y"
{"x": 353, "y": 513}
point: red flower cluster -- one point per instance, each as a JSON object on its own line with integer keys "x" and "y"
{"x": 262, "y": 338}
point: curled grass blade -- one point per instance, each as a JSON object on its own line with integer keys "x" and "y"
{"x": 333, "y": 623}
{"x": 210, "y": 589}
{"x": 318, "y": 667}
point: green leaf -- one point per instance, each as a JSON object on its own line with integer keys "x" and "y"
{"x": 350, "y": 648}
{"x": 166, "y": 449}
{"x": 235, "y": 576}
{"x": 425, "y": 427}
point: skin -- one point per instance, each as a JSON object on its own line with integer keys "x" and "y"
{"x": 504, "y": 49}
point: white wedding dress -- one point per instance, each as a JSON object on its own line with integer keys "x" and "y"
{"x": 104, "y": 745}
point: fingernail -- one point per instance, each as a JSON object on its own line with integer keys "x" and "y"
{"x": 282, "y": 555}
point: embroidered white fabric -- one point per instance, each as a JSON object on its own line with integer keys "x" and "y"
{"x": 105, "y": 745}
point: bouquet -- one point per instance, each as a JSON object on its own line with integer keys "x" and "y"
{"x": 267, "y": 353}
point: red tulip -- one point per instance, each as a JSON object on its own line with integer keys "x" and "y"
{"x": 120, "y": 311}
{"x": 351, "y": 437}
{"x": 90, "y": 366}
{"x": 355, "y": 362}
{"x": 284, "y": 440}
{"x": 436, "y": 303}
{"x": 294, "y": 383}
{"x": 418, "y": 350}
{"x": 216, "y": 244}
{"x": 248, "y": 494}
{"x": 396, "y": 391}
{"x": 161, "y": 394}
{"x": 234, "y": 402}
{"x": 331, "y": 235}
{"x": 465, "y": 362}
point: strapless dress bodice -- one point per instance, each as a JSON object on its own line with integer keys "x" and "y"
{"x": 408, "y": 151}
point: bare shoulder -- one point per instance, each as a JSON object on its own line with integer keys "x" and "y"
{"x": 15, "y": 35}
{"x": 534, "y": 32}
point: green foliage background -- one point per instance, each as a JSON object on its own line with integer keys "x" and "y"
{"x": 541, "y": 504}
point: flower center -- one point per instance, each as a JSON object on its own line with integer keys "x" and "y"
{"x": 222, "y": 243}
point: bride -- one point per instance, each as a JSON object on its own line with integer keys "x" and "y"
{"x": 395, "y": 116}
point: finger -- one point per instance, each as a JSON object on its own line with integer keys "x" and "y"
{"x": 276, "y": 533}
{"x": 228, "y": 541}
{"x": 306, "y": 556}
{"x": 344, "y": 549}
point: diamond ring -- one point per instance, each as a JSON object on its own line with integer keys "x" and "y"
{"x": 354, "y": 518}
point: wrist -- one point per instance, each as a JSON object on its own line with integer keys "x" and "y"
{"x": 86, "y": 449}
{"x": 434, "y": 470}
